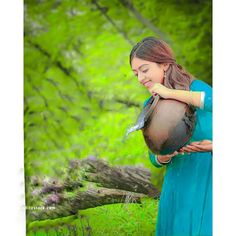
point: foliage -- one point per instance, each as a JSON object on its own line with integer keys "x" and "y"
{"x": 79, "y": 92}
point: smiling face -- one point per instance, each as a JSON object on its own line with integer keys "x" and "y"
{"x": 148, "y": 72}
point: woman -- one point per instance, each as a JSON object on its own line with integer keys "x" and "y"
{"x": 185, "y": 206}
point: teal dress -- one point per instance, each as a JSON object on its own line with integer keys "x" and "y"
{"x": 185, "y": 206}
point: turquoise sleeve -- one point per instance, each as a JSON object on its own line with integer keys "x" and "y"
{"x": 153, "y": 160}
{"x": 200, "y": 86}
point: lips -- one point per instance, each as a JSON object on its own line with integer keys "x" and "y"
{"x": 148, "y": 84}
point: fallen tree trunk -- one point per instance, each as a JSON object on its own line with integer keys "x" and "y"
{"x": 89, "y": 183}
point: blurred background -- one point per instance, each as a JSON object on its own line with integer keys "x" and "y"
{"x": 80, "y": 94}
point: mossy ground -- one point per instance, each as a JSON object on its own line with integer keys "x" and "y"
{"x": 115, "y": 219}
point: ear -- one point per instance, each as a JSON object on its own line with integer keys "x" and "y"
{"x": 166, "y": 66}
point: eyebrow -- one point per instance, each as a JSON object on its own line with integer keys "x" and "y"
{"x": 141, "y": 66}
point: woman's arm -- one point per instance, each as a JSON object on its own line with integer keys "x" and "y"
{"x": 207, "y": 99}
{"x": 154, "y": 160}
{"x": 201, "y": 146}
{"x": 189, "y": 97}
{"x": 200, "y": 94}
{"x": 160, "y": 160}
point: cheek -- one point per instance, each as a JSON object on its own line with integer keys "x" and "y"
{"x": 161, "y": 79}
{"x": 157, "y": 77}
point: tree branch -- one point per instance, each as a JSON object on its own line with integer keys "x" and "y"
{"x": 128, "y": 4}
{"x": 101, "y": 9}
{"x": 89, "y": 183}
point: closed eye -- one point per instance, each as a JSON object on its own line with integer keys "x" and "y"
{"x": 144, "y": 71}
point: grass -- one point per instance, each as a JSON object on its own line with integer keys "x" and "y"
{"x": 115, "y": 219}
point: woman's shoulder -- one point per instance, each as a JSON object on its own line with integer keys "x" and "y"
{"x": 199, "y": 85}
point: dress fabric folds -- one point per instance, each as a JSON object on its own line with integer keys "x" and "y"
{"x": 185, "y": 206}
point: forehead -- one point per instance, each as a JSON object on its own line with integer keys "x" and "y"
{"x": 137, "y": 62}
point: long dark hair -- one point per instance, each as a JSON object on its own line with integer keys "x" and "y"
{"x": 155, "y": 50}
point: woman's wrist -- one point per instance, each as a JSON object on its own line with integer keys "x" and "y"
{"x": 169, "y": 93}
{"x": 163, "y": 159}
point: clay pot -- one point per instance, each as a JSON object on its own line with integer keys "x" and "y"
{"x": 168, "y": 126}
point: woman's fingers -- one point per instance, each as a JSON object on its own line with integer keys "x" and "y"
{"x": 203, "y": 142}
{"x": 190, "y": 148}
{"x": 206, "y": 141}
{"x": 175, "y": 153}
{"x": 205, "y": 147}
{"x": 154, "y": 94}
{"x": 168, "y": 157}
{"x": 196, "y": 142}
{"x": 159, "y": 89}
{"x": 198, "y": 146}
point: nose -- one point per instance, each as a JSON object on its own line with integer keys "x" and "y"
{"x": 140, "y": 77}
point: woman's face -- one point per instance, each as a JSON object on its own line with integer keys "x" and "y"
{"x": 148, "y": 72}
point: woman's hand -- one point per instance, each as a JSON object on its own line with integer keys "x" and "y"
{"x": 160, "y": 89}
{"x": 201, "y": 146}
{"x": 188, "y": 97}
{"x": 166, "y": 158}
